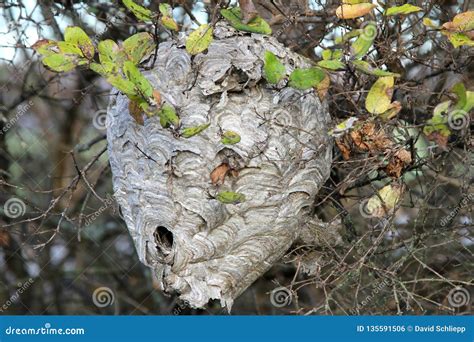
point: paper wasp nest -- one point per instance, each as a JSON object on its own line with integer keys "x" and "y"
{"x": 195, "y": 245}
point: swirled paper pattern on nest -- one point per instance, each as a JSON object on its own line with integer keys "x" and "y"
{"x": 196, "y": 245}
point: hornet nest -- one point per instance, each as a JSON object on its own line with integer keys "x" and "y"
{"x": 195, "y": 244}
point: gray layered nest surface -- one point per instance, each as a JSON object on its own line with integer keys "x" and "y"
{"x": 195, "y": 245}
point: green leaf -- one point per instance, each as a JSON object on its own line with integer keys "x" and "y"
{"x": 138, "y": 11}
{"x": 332, "y": 64}
{"x": 469, "y": 101}
{"x": 441, "y": 108}
{"x": 199, "y": 40}
{"x": 142, "y": 85}
{"x": 76, "y": 36}
{"x": 347, "y": 36}
{"x": 365, "y": 40}
{"x": 139, "y": 46}
{"x": 256, "y": 25}
{"x": 101, "y": 69}
{"x": 125, "y": 86}
{"x": 459, "y": 39}
{"x": 166, "y": 10}
{"x": 379, "y": 98}
{"x": 144, "y": 106}
{"x": 230, "y": 197}
{"x": 306, "y": 78}
{"x": 326, "y": 54}
{"x": 230, "y": 138}
{"x": 61, "y": 63}
{"x": 66, "y": 48}
{"x": 108, "y": 51}
{"x": 168, "y": 116}
{"x": 273, "y": 69}
{"x": 353, "y": 2}
{"x": 438, "y": 122}
{"x": 366, "y": 68}
{"x": 405, "y": 9}
{"x": 169, "y": 23}
{"x": 110, "y": 56}
{"x": 192, "y": 131}
{"x": 167, "y": 17}
{"x": 337, "y": 54}
{"x": 460, "y": 91}
{"x": 46, "y": 47}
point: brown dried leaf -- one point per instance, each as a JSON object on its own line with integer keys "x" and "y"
{"x": 136, "y": 112}
{"x": 367, "y": 138}
{"x": 397, "y": 163}
{"x": 219, "y": 173}
{"x": 344, "y": 148}
{"x": 357, "y": 138}
{"x": 404, "y": 156}
{"x": 249, "y": 12}
{"x": 323, "y": 86}
{"x": 4, "y": 239}
{"x": 40, "y": 43}
{"x": 157, "y": 97}
{"x": 382, "y": 142}
{"x": 438, "y": 138}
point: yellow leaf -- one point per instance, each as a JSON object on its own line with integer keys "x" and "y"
{"x": 429, "y": 23}
{"x": 199, "y": 40}
{"x": 395, "y": 108}
{"x": 383, "y": 203}
{"x": 462, "y": 22}
{"x": 323, "y": 87}
{"x": 347, "y": 11}
{"x": 404, "y": 9}
{"x": 379, "y": 99}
